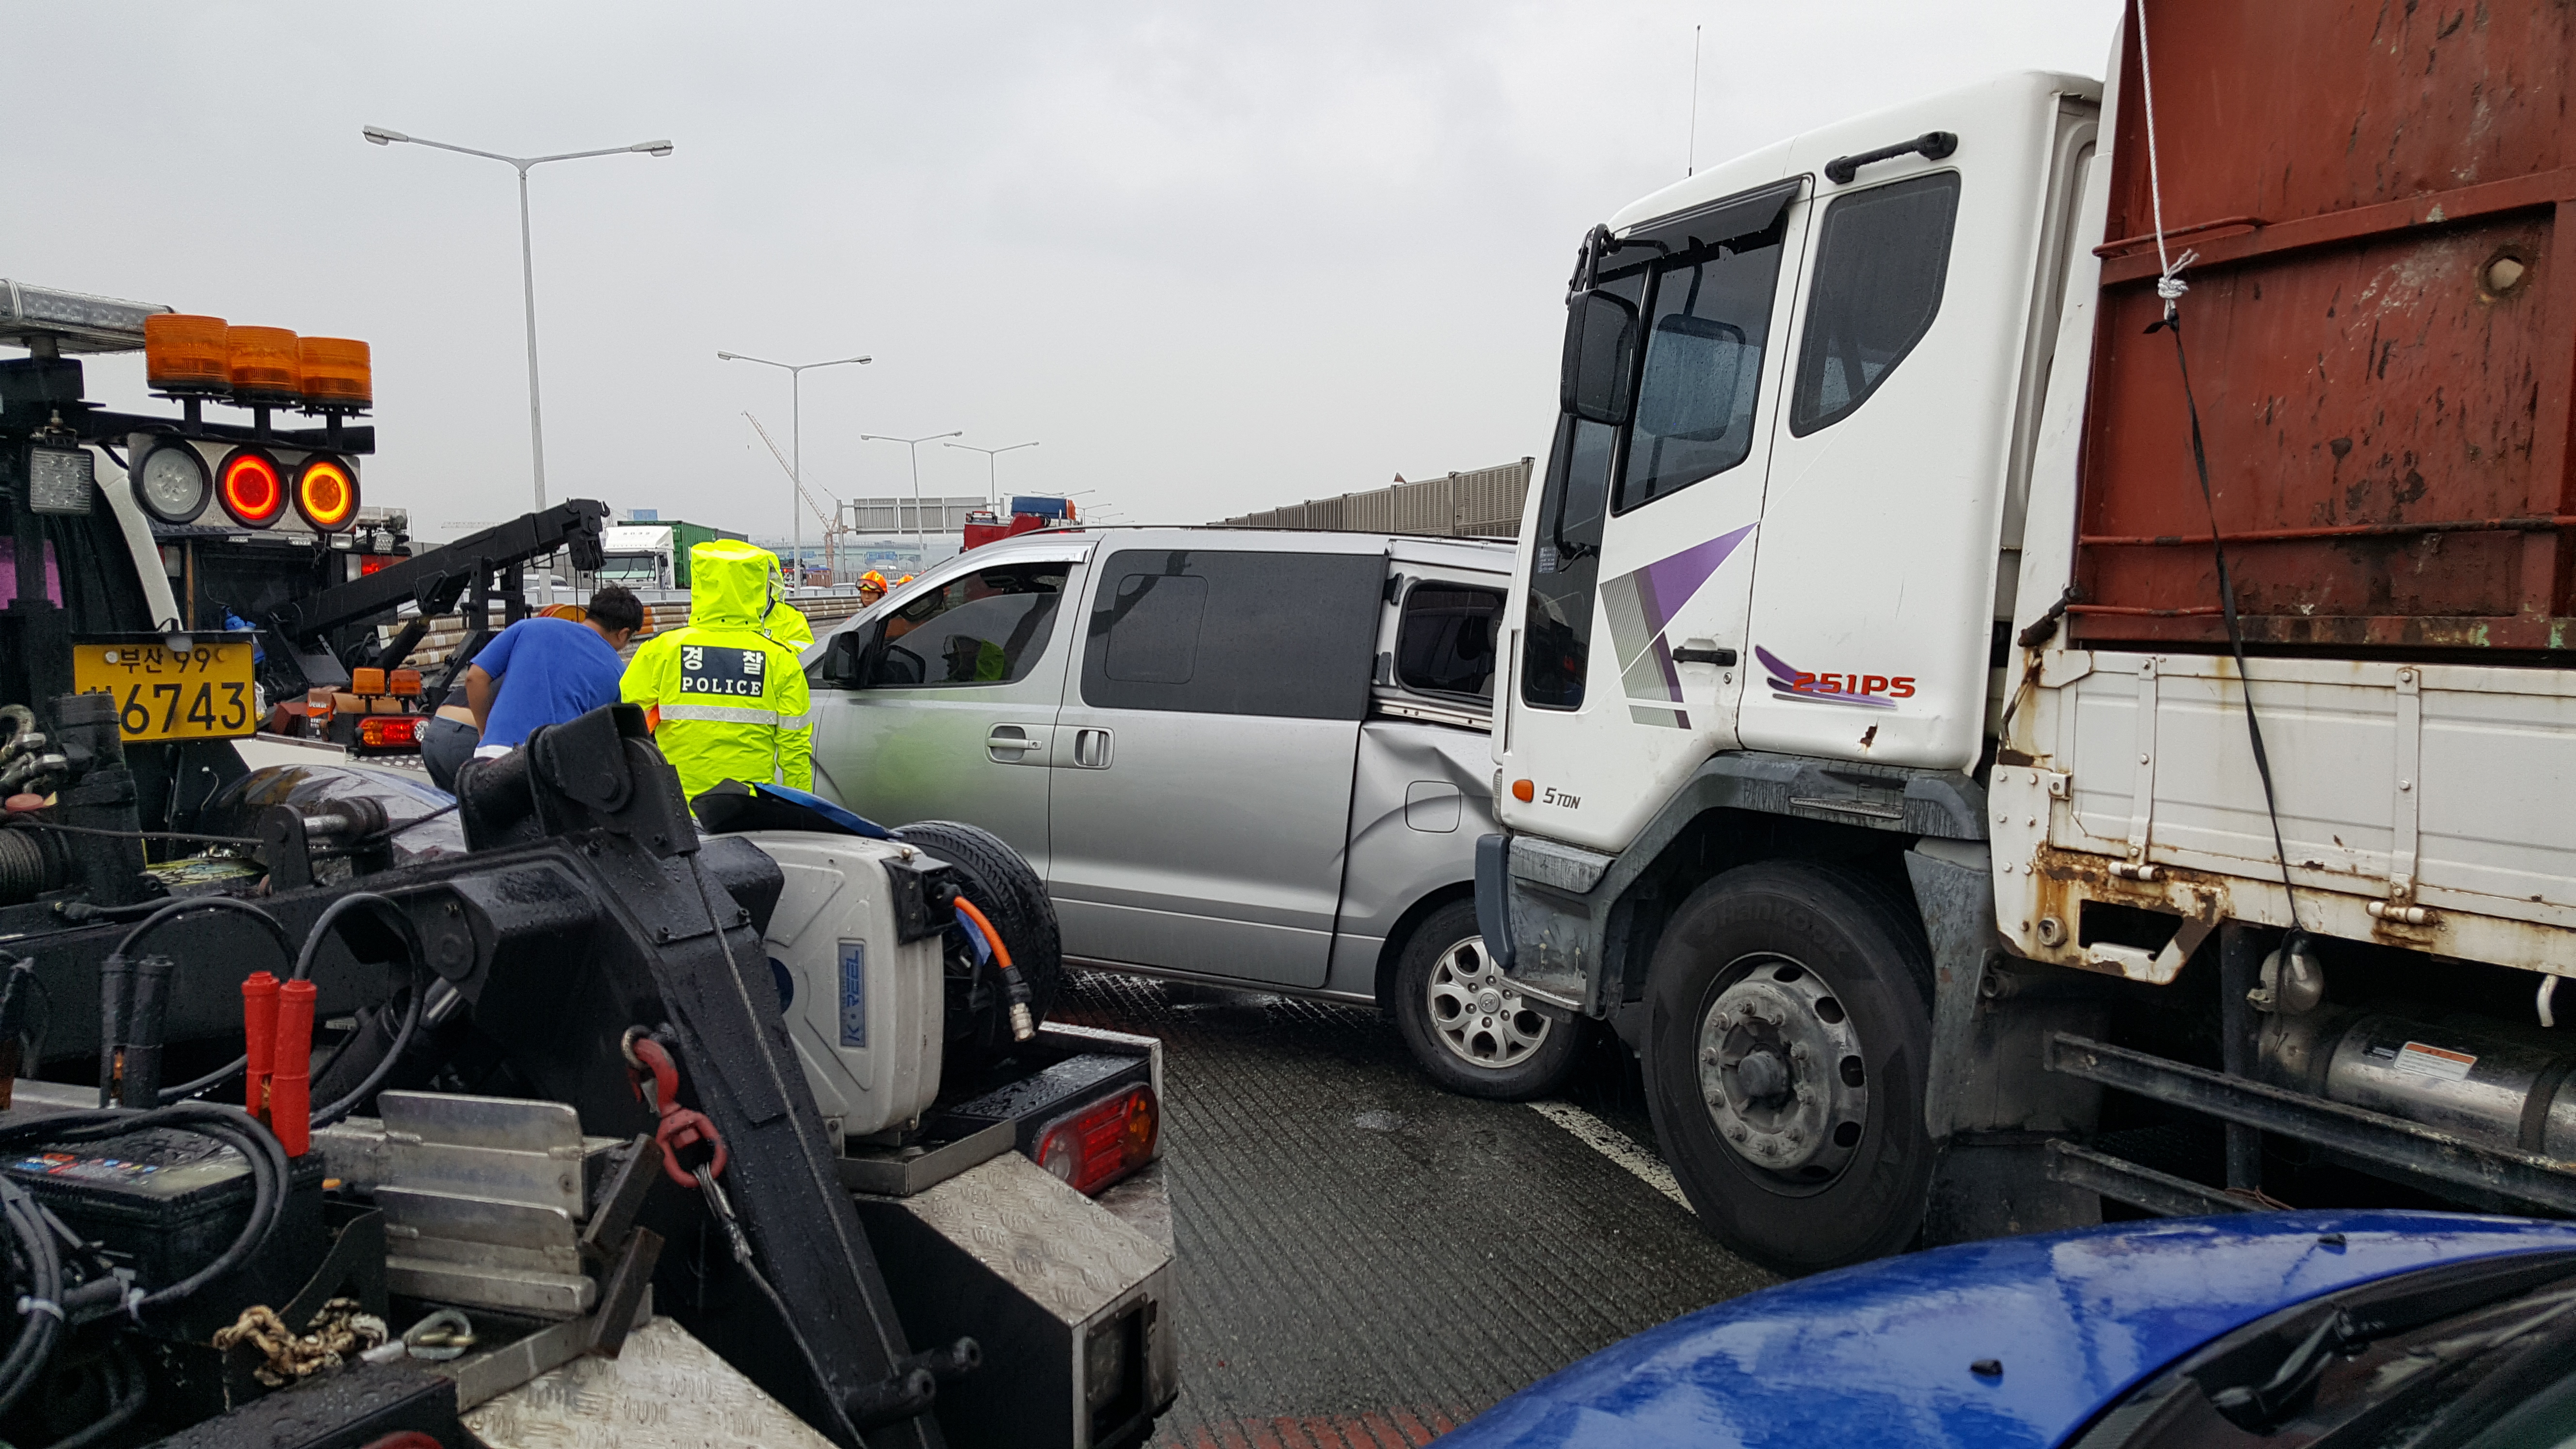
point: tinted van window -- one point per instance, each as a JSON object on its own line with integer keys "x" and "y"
{"x": 1445, "y": 642}
{"x": 1233, "y": 632}
{"x": 990, "y": 626}
{"x": 1881, "y": 259}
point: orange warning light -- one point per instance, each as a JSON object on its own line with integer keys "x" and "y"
{"x": 182, "y": 353}
{"x": 265, "y": 362}
{"x": 335, "y": 372}
{"x": 325, "y": 492}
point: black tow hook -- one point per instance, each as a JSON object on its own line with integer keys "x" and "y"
{"x": 911, "y": 1388}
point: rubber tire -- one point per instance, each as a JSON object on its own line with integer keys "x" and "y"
{"x": 1002, "y": 886}
{"x": 1542, "y": 1073}
{"x": 1866, "y": 943}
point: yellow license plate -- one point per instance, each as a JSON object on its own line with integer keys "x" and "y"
{"x": 200, "y": 693}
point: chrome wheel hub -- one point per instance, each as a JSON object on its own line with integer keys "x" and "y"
{"x": 1780, "y": 1068}
{"x": 1477, "y": 1013}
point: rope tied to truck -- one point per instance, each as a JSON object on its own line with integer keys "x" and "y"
{"x": 2170, "y": 286}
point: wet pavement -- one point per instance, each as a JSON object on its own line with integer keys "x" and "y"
{"x": 1366, "y": 1260}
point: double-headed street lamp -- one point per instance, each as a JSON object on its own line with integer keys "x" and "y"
{"x": 796, "y": 442}
{"x": 992, "y": 489}
{"x": 527, "y": 258}
{"x": 920, "y": 532}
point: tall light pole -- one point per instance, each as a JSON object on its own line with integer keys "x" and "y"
{"x": 992, "y": 488}
{"x": 796, "y": 442}
{"x": 527, "y": 261}
{"x": 920, "y": 532}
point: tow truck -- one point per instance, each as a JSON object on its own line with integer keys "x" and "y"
{"x": 334, "y": 1110}
{"x": 2042, "y": 671}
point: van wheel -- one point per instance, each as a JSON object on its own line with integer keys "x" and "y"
{"x": 1464, "y": 1021}
{"x": 1789, "y": 1030}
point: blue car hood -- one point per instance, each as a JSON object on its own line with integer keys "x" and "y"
{"x": 1879, "y": 1354}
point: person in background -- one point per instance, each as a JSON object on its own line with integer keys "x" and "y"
{"x": 872, "y": 589}
{"x": 786, "y": 624}
{"x": 549, "y": 671}
{"x": 727, "y": 701}
{"x": 448, "y": 738}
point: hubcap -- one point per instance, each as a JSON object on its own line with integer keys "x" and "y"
{"x": 1781, "y": 1070}
{"x": 1477, "y": 1013}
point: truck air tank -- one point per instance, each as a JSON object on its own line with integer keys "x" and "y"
{"x": 2469, "y": 1077}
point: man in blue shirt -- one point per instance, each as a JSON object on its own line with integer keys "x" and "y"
{"x": 549, "y": 671}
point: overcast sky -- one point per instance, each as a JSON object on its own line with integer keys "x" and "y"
{"x": 1213, "y": 257}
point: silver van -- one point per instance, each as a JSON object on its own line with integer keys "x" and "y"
{"x": 1248, "y": 758}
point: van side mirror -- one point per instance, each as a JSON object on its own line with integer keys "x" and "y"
{"x": 1692, "y": 367}
{"x": 1600, "y": 338}
{"x": 844, "y": 662}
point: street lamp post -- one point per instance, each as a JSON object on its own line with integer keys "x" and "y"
{"x": 527, "y": 262}
{"x": 920, "y": 532}
{"x": 992, "y": 488}
{"x": 796, "y": 442}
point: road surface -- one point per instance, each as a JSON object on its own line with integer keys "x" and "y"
{"x": 1366, "y": 1260}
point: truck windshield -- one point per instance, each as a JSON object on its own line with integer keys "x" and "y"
{"x": 627, "y": 568}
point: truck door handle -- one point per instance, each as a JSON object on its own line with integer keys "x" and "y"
{"x": 1724, "y": 657}
{"x": 1091, "y": 749}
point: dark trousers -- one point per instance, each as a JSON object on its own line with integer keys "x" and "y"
{"x": 445, "y": 745}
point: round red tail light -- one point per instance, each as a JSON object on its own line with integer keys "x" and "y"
{"x": 251, "y": 487}
{"x": 326, "y": 493}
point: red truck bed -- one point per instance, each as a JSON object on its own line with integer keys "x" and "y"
{"x": 2381, "y": 324}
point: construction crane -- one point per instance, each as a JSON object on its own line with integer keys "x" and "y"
{"x": 833, "y": 527}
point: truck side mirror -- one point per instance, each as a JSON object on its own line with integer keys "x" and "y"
{"x": 1600, "y": 337}
{"x": 1692, "y": 367}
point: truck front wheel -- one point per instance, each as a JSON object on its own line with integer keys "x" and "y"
{"x": 1789, "y": 1028}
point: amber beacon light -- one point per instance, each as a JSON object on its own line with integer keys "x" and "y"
{"x": 266, "y": 364}
{"x": 251, "y": 488}
{"x": 187, "y": 354}
{"x": 335, "y": 373}
{"x": 326, "y": 493}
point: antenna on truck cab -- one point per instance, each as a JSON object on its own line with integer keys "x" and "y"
{"x": 1691, "y": 165}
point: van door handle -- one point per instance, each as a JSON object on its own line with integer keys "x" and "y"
{"x": 1008, "y": 737}
{"x": 1724, "y": 657}
{"x": 1091, "y": 749}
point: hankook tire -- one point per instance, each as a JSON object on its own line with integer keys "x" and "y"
{"x": 1789, "y": 1030}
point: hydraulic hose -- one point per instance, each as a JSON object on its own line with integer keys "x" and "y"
{"x": 41, "y": 1305}
{"x": 300, "y": 969}
{"x": 1014, "y": 988}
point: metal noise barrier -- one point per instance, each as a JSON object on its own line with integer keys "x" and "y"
{"x": 1485, "y": 503}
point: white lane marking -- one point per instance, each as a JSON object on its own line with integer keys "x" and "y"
{"x": 1614, "y": 1144}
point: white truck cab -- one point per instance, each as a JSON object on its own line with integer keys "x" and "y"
{"x": 1890, "y": 851}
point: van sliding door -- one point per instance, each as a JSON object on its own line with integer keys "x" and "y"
{"x": 1203, "y": 771}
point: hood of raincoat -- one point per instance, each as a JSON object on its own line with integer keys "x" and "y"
{"x": 729, "y": 584}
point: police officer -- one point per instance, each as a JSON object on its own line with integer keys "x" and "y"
{"x": 727, "y": 702}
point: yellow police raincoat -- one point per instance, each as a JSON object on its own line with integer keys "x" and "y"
{"x": 727, "y": 701}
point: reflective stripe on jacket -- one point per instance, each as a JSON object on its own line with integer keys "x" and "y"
{"x": 729, "y": 701}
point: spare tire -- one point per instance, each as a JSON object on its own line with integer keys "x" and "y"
{"x": 1011, "y": 896}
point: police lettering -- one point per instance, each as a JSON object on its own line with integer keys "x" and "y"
{"x": 712, "y": 669}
